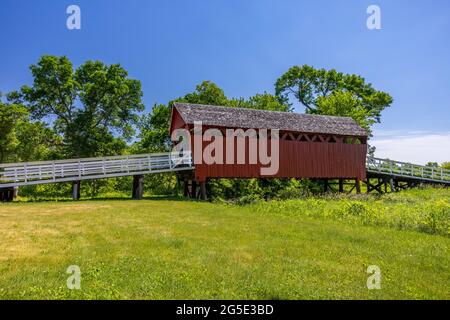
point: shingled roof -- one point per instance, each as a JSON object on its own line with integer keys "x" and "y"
{"x": 262, "y": 119}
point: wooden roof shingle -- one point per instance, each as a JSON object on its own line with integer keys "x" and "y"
{"x": 261, "y": 119}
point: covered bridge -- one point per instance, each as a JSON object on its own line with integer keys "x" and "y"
{"x": 310, "y": 146}
{"x": 299, "y": 146}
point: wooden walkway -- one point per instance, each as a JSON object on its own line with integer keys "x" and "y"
{"x": 377, "y": 167}
{"x": 32, "y": 173}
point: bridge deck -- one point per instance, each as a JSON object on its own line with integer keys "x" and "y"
{"x": 377, "y": 167}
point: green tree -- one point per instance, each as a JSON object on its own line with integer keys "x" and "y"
{"x": 11, "y": 115}
{"x": 345, "y": 104}
{"x": 445, "y": 165}
{"x": 205, "y": 93}
{"x": 154, "y": 130}
{"x": 432, "y": 164}
{"x": 89, "y": 106}
{"x": 37, "y": 142}
{"x": 264, "y": 101}
{"x": 154, "y": 127}
{"x": 312, "y": 87}
{"x": 22, "y": 139}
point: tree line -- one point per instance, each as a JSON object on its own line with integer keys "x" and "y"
{"x": 97, "y": 110}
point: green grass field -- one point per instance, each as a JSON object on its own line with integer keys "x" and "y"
{"x": 316, "y": 248}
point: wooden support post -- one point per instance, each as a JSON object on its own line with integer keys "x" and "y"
{"x": 391, "y": 183}
{"x": 185, "y": 188}
{"x": 341, "y": 185}
{"x": 6, "y": 194}
{"x": 194, "y": 189}
{"x": 138, "y": 187}
{"x": 10, "y": 195}
{"x": 203, "y": 195}
{"x": 325, "y": 185}
{"x": 76, "y": 188}
{"x": 358, "y": 186}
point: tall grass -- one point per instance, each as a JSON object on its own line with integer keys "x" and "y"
{"x": 424, "y": 210}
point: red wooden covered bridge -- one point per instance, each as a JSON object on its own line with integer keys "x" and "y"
{"x": 310, "y": 146}
{"x": 305, "y": 146}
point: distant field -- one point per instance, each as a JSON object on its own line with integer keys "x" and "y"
{"x": 315, "y": 248}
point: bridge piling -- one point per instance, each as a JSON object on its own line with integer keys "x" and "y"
{"x": 358, "y": 186}
{"x": 76, "y": 190}
{"x": 6, "y": 194}
{"x": 203, "y": 195}
{"x": 138, "y": 187}
{"x": 341, "y": 185}
{"x": 185, "y": 188}
{"x": 391, "y": 183}
{"x": 325, "y": 185}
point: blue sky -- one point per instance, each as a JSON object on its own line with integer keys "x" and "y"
{"x": 245, "y": 45}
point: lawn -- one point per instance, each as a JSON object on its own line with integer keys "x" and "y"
{"x": 178, "y": 249}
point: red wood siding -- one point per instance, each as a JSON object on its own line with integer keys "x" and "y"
{"x": 298, "y": 159}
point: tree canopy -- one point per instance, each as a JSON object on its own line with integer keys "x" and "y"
{"x": 331, "y": 92}
{"x": 87, "y": 105}
{"x": 22, "y": 139}
{"x": 446, "y": 165}
{"x": 11, "y": 115}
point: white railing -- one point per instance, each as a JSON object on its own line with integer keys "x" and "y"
{"x": 407, "y": 170}
{"x": 31, "y": 173}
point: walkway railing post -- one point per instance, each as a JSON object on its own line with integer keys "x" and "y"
{"x": 26, "y": 173}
